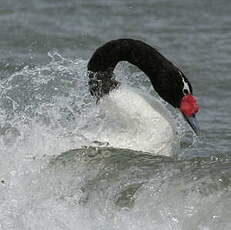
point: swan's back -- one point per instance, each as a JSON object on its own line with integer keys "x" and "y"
{"x": 133, "y": 121}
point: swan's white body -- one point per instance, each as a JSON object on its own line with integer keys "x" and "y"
{"x": 138, "y": 122}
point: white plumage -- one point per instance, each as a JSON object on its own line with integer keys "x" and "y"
{"x": 136, "y": 121}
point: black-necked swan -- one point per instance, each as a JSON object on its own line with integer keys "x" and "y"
{"x": 136, "y": 121}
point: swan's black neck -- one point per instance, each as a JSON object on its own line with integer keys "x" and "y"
{"x": 166, "y": 78}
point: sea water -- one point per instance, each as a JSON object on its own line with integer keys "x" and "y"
{"x": 55, "y": 174}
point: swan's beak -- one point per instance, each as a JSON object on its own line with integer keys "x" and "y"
{"x": 193, "y": 122}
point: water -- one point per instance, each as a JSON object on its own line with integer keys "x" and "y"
{"x": 53, "y": 173}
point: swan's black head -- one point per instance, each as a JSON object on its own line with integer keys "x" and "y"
{"x": 175, "y": 88}
{"x": 172, "y": 85}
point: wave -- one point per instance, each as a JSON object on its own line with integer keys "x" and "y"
{"x": 108, "y": 188}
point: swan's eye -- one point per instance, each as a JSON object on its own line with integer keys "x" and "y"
{"x": 185, "y": 91}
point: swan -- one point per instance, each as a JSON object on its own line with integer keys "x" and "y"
{"x": 135, "y": 120}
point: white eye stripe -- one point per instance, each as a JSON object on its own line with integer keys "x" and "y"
{"x": 185, "y": 84}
